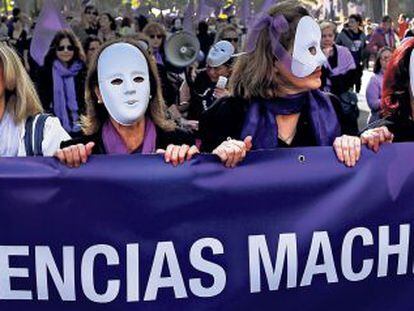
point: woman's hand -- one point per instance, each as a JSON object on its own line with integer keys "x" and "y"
{"x": 178, "y": 154}
{"x": 232, "y": 151}
{"x": 219, "y": 93}
{"x": 348, "y": 149}
{"x": 74, "y": 156}
{"x": 374, "y": 138}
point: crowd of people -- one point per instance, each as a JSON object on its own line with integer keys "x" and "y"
{"x": 284, "y": 80}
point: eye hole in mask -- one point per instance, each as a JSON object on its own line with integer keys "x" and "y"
{"x": 138, "y": 79}
{"x": 312, "y": 50}
{"x": 117, "y": 81}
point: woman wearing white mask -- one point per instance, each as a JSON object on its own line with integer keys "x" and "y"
{"x": 275, "y": 99}
{"x": 125, "y": 109}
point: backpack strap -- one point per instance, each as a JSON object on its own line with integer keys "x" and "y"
{"x": 33, "y": 138}
{"x": 38, "y": 133}
{"x": 28, "y": 141}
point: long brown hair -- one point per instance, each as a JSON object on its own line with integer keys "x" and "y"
{"x": 96, "y": 114}
{"x": 254, "y": 74}
{"x": 79, "y": 53}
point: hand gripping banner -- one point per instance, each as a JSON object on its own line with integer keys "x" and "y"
{"x": 286, "y": 230}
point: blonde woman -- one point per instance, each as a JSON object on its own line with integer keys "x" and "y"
{"x": 21, "y": 121}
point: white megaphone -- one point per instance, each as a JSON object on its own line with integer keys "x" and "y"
{"x": 182, "y": 49}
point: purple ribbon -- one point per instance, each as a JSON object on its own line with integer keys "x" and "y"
{"x": 277, "y": 25}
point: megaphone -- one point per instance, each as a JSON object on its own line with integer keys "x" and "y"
{"x": 182, "y": 49}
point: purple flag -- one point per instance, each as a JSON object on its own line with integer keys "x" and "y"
{"x": 266, "y": 5}
{"x": 245, "y": 12}
{"x": 49, "y": 22}
{"x": 188, "y": 17}
{"x": 203, "y": 10}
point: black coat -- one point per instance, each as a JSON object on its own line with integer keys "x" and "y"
{"x": 400, "y": 125}
{"x": 177, "y": 137}
{"x": 225, "y": 118}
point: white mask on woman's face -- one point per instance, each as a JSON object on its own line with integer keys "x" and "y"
{"x": 124, "y": 83}
{"x": 307, "y": 53}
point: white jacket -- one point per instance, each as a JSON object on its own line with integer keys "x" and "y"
{"x": 53, "y": 135}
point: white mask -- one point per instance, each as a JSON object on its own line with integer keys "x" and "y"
{"x": 124, "y": 82}
{"x": 412, "y": 73}
{"x": 308, "y": 36}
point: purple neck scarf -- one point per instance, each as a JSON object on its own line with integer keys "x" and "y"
{"x": 260, "y": 121}
{"x": 115, "y": 145}
{"x": 64, "y": 94}
{"x": 345, "y": 61}
{"x": 158, "y": 57}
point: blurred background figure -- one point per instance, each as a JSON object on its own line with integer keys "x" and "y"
{"x": 107, "y": 27}
{"x": 374, "y": 88}
{"x": 90, "y": 46}
{"x": 61, "y": 85}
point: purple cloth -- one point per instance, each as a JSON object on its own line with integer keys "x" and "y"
{"x": 114, "y": 143}
{"x": 266, "y": 5}
{"x": 260, "y": 121}
{"x": 203, "y": 10}
{"x": 49, "y": 22}
{"x": 64, "y": 94}
{"x": 188, "y": 17}
{"x": 379, "y": 39}
{"x": 277, "y": 25}
{"x": 345, "y": 62}
{"x": 373, "y": 95}
{"x": 158, "y": 56}
{"x": 245, "y": 12}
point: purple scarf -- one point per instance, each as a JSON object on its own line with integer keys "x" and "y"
{"x": 115, "y": 145}
{"x": 345, "y": 62}
{"x": 260, "y": 121}
{"x": 158, "y": 57}
{"x": 64, "y": 94}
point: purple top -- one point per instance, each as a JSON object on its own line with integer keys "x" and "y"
{"x": 114, "y": 143}
{"x": 373, "y": 95}
{"x": 261, "y": 124}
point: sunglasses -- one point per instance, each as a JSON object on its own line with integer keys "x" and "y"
{"x": 91, "y": 13}
{"x": 69, "y": 48}
{"x": 156, "y": 36}
{"x": 231, "y": 39}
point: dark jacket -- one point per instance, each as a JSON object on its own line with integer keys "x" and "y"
{"x": 401, "y": 126}
{"x": 177, "y": 137}
{"x": 201, "y": 91}
{"x": 225, "y": 118}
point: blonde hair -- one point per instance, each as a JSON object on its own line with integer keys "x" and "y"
{"x": 326, "y": 25}
{"x": 22, "y": 100}
{"x": 96, "y": 113}
{"x": 254, "y": 74}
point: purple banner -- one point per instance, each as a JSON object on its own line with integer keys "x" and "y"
{"x": 289, "y": 229}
